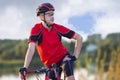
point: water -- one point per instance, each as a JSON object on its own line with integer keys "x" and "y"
{"x": 9, "y": 77}
{"x": 13, "y": 77}
{"x": 80, "y": 74}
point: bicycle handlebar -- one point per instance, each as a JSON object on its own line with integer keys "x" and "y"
{"x": 39, "y": 71}
{"x": 42, "y": 70}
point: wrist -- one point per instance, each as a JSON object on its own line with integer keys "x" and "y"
{"x": 73, "y": 58}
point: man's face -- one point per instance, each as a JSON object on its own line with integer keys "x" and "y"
{"x": 49, "y": 17}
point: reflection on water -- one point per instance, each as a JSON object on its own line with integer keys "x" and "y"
{"x": 9, "y": 77}
{"x": 81, "y": 74}
{"x": 14, "y": 77}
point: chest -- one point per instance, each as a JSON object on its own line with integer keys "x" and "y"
{"x": 50, "y": 37}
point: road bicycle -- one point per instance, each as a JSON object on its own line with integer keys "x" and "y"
{"x": 46, "y": 70}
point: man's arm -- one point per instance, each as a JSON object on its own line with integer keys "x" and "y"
{"x": 29, "y": 54}
{"x": 78, "y": 44}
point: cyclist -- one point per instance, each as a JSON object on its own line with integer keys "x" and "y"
{"x": 46, "y": 36}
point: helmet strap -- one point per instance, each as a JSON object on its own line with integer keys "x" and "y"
{"x": 48, "y": 25}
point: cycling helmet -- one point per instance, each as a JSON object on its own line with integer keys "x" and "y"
{"x": 44, "y": 8}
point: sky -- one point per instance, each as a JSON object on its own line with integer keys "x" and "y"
{"x": 86, "y": 17}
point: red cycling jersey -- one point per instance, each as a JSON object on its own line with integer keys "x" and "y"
{"x": 49, "y": 43}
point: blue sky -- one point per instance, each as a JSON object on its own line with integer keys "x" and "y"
{"x": 83, "y": 16}
{"x": 84, "y": 23}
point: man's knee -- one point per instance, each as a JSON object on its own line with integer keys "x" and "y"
{"x": 68, "y": 68}
{"x": 70, "y": 77}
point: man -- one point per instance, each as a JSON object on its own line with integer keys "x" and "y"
{"x": 46, "y": 36}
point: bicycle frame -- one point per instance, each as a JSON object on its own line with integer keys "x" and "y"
{"x": 44, "y": 70}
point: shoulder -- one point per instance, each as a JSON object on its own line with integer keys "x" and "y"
{"x": 57, "y": 25}
{"x": 61, "y": 28}
{"x": 36, "y": 28}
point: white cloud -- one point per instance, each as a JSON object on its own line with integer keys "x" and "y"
{"x": 16, "y": 21}
{"x": 14, "y": 24}
{"x": 10, "y": 22}
{"x": 110, "y": 22}
{"x": 107, "y": 24}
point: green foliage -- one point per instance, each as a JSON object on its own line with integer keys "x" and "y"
{"x": 12, "y": 49}
{"x": 104, "y": 59}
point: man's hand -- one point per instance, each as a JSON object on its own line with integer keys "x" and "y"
{"x": 22, "y": 73}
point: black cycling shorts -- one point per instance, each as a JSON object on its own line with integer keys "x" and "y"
{"x": 67, "y": 68}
